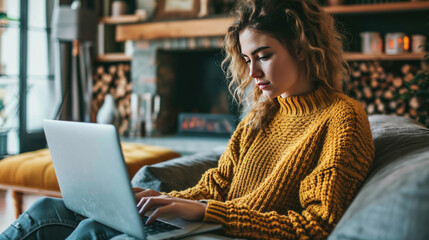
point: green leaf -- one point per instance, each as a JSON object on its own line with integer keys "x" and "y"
{"x": 3, "y": 15}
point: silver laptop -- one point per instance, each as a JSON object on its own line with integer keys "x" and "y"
{"x": 94, "y": 181}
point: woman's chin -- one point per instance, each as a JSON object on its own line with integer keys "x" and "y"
{"x": 269, "y": 95}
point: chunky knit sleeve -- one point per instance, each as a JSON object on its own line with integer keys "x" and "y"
{"x": 215, "y": 183}
{"x": 324, "y": 194}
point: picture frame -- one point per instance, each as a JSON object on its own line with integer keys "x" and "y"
{"x": 170, "y": 9}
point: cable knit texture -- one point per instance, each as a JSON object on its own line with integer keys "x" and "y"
{"x": 294, "y": 179}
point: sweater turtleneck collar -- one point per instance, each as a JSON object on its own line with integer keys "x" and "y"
{"x": 306, "y": 104}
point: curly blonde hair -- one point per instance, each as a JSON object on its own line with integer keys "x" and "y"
{"x": 297, "y": 24}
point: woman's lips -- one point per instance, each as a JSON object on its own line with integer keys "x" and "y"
{"x": 263, "y": 85}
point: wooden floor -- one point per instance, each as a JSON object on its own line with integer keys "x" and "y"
{"x": 7, "y": 213}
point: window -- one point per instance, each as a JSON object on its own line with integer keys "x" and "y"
{"x": 27, "y": 87}
{"x": 40, "y": 82}
{"x": 9, "y": 77}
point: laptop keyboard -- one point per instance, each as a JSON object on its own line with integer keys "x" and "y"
{"x": 157, "y": 227}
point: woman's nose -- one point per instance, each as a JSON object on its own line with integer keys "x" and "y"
{"x": 254, "y": 71}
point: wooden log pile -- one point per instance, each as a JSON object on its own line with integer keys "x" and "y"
{"x": 116, "y": 80}
{"x": 395, "y": 91}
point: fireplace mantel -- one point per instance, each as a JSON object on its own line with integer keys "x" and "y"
{"x": 175, "y": 29}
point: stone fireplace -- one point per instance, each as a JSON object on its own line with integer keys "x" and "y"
{"x": 186, "y": 74}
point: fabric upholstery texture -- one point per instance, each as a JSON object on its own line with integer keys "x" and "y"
{"x": 177, "y": 174}
{"x": 393, "y": 203}
{"x": 35, "y": 169}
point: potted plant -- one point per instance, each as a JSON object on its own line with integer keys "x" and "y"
{"x": 3, "y": 15}
{"x": 3, "y": 132}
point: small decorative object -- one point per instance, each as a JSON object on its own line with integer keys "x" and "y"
{"x": 137, "y": 116}
{"x": 141, "y": 14}
{"x": 418, "y": 42}
{"x": 129, "y": 48}
{"x": 149, "y": 6}
{"x": 204, "y": 8}
{"x": 396, "y": 43}
{"x": 119, "y": 8}
{"x": 75, "y": 4}
{"x": 108, "y": 114}
{"x": 152, "y": 108}
{"x": 371, "y": 43}
{"x": 178, "y": 9}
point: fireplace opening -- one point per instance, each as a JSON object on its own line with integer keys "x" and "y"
{"x": 193, "y": 86}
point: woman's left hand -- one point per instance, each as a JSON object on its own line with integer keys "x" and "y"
{"x": 164, "y": 204}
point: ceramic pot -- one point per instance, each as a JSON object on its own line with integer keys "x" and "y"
{"x": 119, "y": 8}
{"x": 149, "y": 6}
{"x": 108, "y": 114}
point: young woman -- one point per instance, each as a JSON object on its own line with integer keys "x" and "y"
{"x": 296, "y": 160}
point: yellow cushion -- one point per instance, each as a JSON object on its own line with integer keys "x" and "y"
{"x": 35, "y": 169}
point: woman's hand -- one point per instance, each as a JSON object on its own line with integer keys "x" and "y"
{"x": 183, "y": 208}
{"x": 140, "y": 193}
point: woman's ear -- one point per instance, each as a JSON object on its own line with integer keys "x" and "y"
{"x": 300, "y": 54}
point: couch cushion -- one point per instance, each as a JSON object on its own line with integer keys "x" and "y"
{"x": 393, "y": 201}
{"x": 35, "y": 169}
{"x": 177, "y": 174}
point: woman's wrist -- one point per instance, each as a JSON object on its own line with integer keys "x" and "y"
{"x": 206, "y": 202}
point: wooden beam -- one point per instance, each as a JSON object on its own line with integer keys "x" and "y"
{"x": 121, "y": 19}
{"x": 382, "y": 7}
{"x": 382, "y": 57}
{"x": 114, "y": 57}
{"x": 175, "y": 29}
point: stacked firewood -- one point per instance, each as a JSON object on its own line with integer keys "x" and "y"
{"x": 392, "y": 92}
{"x": 114, "y": 80}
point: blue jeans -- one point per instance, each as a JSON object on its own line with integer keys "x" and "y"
{"x": 48, "y": 218}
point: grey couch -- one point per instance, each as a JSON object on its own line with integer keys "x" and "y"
{"x": 393, "y": 203}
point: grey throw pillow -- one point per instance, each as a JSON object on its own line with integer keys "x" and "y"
{"x": 393, "y": 203}
{"x": 177, "y": 174}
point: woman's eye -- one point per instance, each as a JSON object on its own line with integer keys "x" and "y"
{"x": 247, "y": 61}
{"x": 263, "y": 58}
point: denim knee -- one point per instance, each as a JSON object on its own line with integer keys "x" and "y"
{"x": 123, "y": 237}
{"x": 46, "y": 218}
{"x": 93, "y": 230}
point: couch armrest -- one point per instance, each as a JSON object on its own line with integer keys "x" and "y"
{"x": 393, "y": 201}
{"x": 177, "y": 174}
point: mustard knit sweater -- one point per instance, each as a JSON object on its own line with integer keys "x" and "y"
{"x": 295, "y": 179}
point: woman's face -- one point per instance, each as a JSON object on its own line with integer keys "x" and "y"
{"x": 271, "y": 65}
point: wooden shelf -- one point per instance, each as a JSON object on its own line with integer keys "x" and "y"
{"x": 121, "y": 19}
{"x": 114, "y": 57}
{"x": 121, "y": 57}
{"x": 174, "y": 29}
{"x": 218, "y": 26}
{"x": 384, "y": 57}
{"x": 381, "y": 7}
